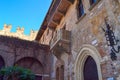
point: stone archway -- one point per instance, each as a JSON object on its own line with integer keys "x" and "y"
{"x": 33, "y": 64}
{"x": 86, "y": 52}
{"x": 2, "y": 64}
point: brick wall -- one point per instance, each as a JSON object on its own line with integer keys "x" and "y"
{"x": 26, "y": 54}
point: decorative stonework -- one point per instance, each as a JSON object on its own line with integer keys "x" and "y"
{"x": 85, "y": 51}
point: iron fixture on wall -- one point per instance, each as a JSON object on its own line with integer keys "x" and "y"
{"x": 111, "y": 41}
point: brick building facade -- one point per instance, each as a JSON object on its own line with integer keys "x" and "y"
{"x": 73, "y": 29}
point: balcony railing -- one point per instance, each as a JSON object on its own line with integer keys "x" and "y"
{"x": 60, "y": 37}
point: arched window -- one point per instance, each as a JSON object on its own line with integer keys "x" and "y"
{"x": 92, "y": 2}
{"x": 80, "y": 8}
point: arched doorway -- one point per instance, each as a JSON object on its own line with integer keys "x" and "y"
{"x": 2, "y": 64}
{"x": 87, "y": 64}
{"x": 33, "y": 64}
{"x": 90, "y": 69}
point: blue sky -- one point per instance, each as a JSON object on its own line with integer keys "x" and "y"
{"x": 27, "y": 13}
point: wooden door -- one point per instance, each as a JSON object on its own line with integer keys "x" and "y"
{"x": 90, "y": 69}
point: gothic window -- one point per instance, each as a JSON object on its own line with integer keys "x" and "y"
{"x": 80, "y": 8}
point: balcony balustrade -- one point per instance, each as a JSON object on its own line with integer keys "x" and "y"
{"x": 61, "y": 41}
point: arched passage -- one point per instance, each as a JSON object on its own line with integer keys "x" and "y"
{"x": 86, "y": 59}
{"x": 2, "y": 64}
{"x": 33, "y": 64}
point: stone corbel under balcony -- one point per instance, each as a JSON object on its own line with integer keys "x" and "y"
{"x": 60, "y": 42}
{"x": 61, "y": 49}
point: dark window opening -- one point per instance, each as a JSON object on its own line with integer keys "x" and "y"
{"x": 92, "y": 2}
{"x": 80, "y": 8}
